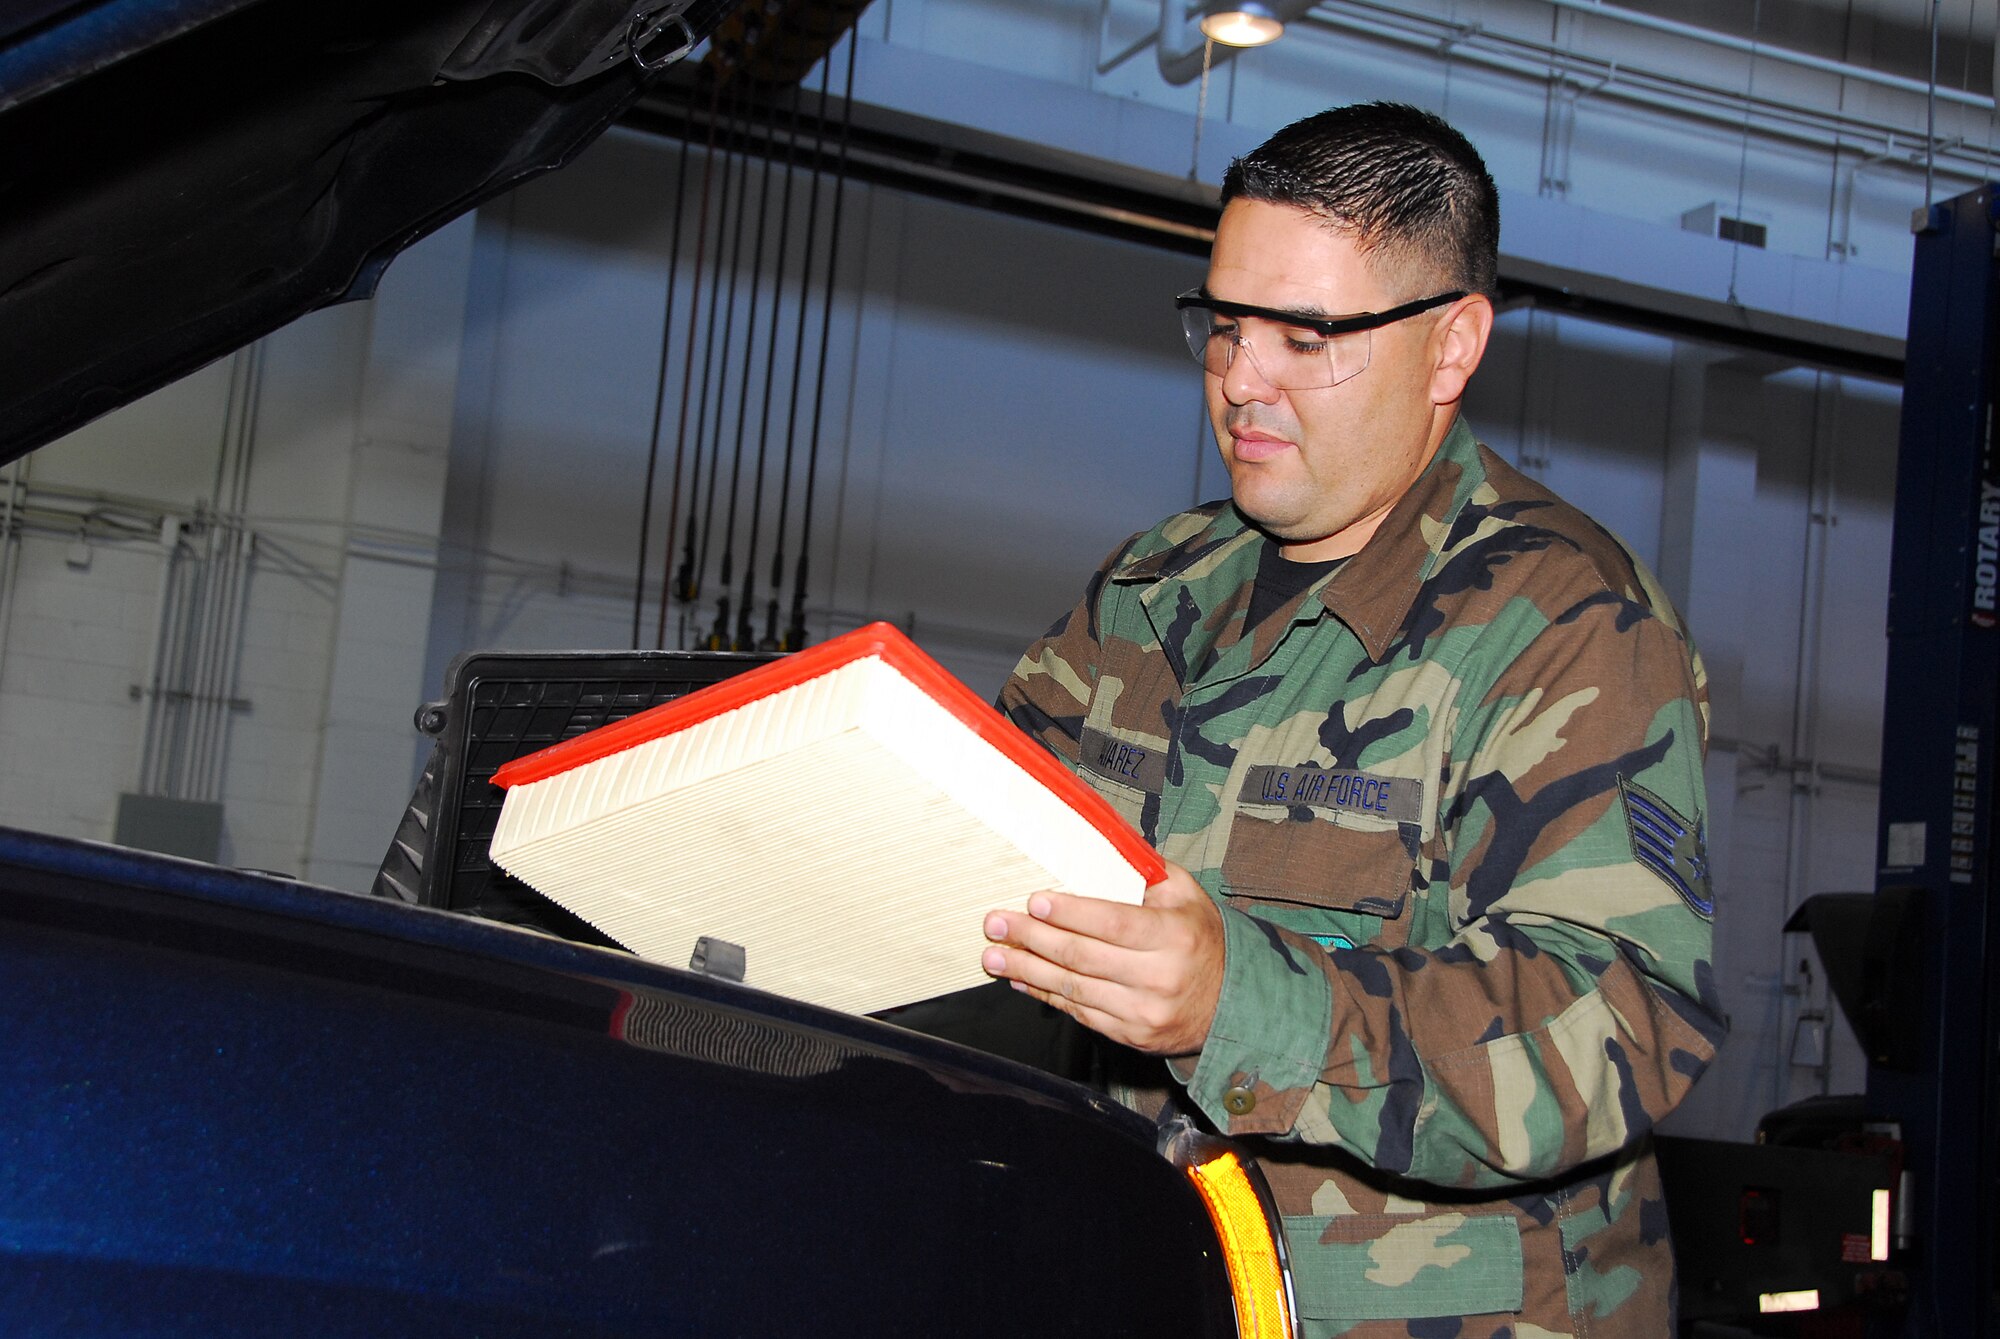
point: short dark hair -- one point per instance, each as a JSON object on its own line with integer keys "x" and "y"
{"x": 1408, "y": 186}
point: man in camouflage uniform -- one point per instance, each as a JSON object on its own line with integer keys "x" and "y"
{"x": 1424, "y": 746}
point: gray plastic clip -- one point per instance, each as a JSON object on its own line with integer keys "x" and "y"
{"x": 717, "y": 957}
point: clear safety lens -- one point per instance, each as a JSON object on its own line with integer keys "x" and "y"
{"x": 1289, "y": 357}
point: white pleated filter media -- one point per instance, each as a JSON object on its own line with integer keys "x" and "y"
{"x": 850, "y": 833}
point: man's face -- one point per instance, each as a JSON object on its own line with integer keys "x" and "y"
{"x": 1319, "y": 469}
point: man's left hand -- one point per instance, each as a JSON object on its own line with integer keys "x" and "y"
{"x": 1147, "y": 976}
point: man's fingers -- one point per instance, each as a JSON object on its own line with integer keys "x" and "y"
{"x": 1068, "y": 949}
{"x": 1094, "y": 918}
{"x": 1144, "y": 975}
{"x": 1116, "y": 923}
{"x": 1048, "y": 979}
{"x": 1091, "y": 1002}
{"x": 1129, "y": 1016}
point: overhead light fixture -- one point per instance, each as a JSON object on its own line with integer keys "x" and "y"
{"x": 1241, "y": 23}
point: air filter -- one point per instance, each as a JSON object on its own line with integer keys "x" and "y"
{"x": 844, "y": 815}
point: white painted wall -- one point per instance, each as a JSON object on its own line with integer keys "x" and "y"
{"x": 351, "y": 414}
{"x": 460, "y": 464}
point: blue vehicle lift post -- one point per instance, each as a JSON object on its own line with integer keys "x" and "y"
{"x": 1932, "y": 1069}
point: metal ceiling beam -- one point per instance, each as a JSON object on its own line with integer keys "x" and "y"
{"x": 1765, "y": 51}
{"x": 951, "y": 160}
{"x": 1830, "y": 130}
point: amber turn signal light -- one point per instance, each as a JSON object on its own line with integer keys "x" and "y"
{"x": 1246, "y": 1223}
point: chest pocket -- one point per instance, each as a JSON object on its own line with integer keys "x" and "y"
{"x": 1122, "y": 748}
{"x": 1296, "y": 869}
{"x": 1129, "y": 803}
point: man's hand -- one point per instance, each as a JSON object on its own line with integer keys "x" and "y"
{"x": 1147, "y": 976}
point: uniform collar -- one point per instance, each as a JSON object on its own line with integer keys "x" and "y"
{"x": 1200, "y": 586}
{"x": 1373, "y": 593}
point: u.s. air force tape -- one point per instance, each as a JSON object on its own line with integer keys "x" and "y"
{"x": 1398, "y": 798}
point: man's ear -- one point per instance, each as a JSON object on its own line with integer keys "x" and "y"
{"x": 1459, "y": 342}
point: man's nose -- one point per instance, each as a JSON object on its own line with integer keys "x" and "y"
{"x": 1244, "y": 381}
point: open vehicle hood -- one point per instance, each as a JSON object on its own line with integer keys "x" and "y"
{"x": 241, "y": 1106}
{"x": 180, "y": 177}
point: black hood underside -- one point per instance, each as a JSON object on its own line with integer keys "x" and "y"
{"x": 180, "y": 177}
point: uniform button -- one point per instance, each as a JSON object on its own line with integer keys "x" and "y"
{"x": 1239, "y": 1101}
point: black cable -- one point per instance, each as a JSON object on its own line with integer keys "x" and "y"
{"x": 798, "y": 359}
{"x": 687, "y": 386}
{"x": 659, "y": 401}
{"x": 739, "y": 119}
{"x": 695, "y": 556}
{"x": 745, "y": 634}
{"x": 795, "y": 632}
{"x": 719, "y": 639}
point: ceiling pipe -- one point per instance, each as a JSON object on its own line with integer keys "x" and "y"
{"x": 1179, "y": 44}
{"x": 1667, "y": 93}
{"x": 1183, "y": 62}
{"x": 1106, "y": 64}
{"x": 1764, "y": 51}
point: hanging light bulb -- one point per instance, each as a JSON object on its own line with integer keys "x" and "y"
{"x": 1241, "y": 23}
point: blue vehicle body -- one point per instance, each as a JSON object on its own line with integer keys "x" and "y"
{"x": 235, "y": 1105}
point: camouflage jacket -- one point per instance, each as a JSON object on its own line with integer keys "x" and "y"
{"x": 1450, "y": 800}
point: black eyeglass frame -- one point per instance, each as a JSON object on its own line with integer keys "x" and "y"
{"x": 1326, "y": 327}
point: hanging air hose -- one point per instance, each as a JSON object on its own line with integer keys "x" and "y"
{"x": 769, "y": 50}
{"x": 795, "y": 632}
{"x": 771, "y": 642}
{"x": 738, "y": 121}
{"x": 687, "y": 386}
{"x": 720, "y": 639}
{"x": 745, "y": 635}
{"x": 695, "y": 557}
{"x": 660, "y": 404}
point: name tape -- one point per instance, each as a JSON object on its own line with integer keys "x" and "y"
{"x": 1128, "y": 764}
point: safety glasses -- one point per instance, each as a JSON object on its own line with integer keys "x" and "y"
{"x": 1290, "y": 350}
